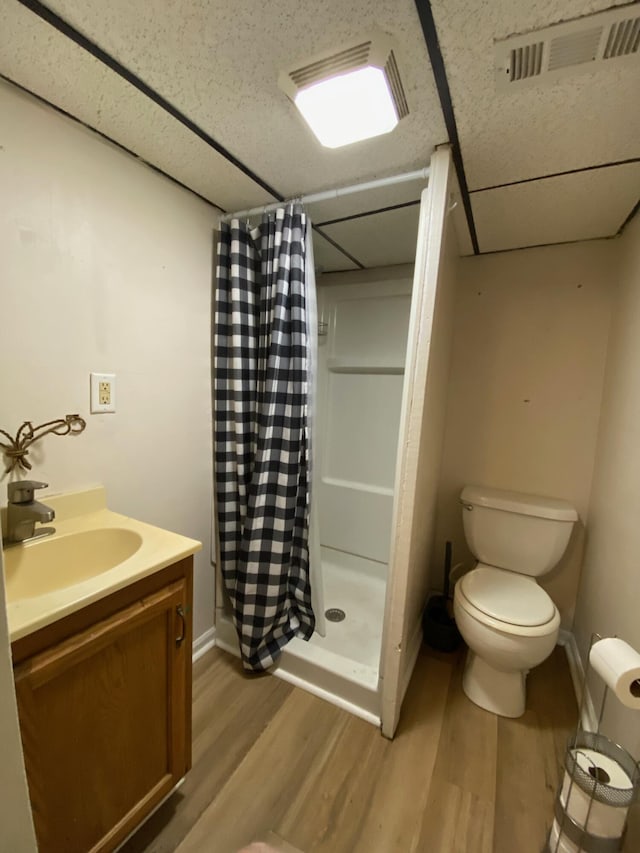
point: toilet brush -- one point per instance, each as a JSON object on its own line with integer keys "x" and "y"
{"x": 447, "y": 568}
{"x": 438, "y": 625}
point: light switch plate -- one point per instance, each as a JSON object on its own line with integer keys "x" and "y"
{"x": 103, "y": 392}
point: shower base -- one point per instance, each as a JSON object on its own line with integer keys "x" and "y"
{"x": 343, "y": 666}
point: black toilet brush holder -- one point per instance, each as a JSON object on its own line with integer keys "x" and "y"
{"x": 439, "y": 628}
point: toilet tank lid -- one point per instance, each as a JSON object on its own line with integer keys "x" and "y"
{"x": 519, "y": 502}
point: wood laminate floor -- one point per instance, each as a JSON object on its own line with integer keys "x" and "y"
{"x": 272, "y": 761}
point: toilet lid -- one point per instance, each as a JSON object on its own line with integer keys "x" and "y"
{"x": 507, "y": 597}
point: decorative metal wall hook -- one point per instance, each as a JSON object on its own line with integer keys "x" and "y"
{"x": 17, "y": 450}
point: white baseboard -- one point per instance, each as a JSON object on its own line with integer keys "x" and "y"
{"x": 589, "y": 720}
{"x": 226, "y": 646}
{"x": 203, "y": 643}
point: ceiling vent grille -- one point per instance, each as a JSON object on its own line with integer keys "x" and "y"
{"x": 585, "y": 44}
{"x": 623, "y": 38}
{"x": 574, "y": 49}
{"x": 337, "y": 63}
{"x": 377, "y": 50}
{"x": 395, "y": 84}
{"x": 525, "y": 61}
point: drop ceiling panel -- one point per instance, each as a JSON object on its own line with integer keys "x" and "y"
{"x": 571, "y": 207}
{"x": 566, "y": 124}
{"x": 380, "y": 240}
{"x": 219, "y": 63}
{"x": 44, "y": 61}
{"x": 327, "y": 258}
{"x": 361, "y": 202}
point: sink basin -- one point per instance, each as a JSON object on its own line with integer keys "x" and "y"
{"x": 45, "y": 565}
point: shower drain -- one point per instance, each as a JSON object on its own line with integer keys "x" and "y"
{"x": 334, "y": 614}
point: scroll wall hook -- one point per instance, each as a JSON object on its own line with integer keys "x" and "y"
{"x": 17, "y": 449}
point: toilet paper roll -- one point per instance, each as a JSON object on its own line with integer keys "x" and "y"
{"x": 605, "y": 820}
{"x": 618, "y": 664}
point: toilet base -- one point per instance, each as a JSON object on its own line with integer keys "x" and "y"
{"x": 502, "y": 693}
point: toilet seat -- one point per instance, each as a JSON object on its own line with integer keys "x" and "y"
{"x": 507, "y": 602}
{"x": 507, "y": 596}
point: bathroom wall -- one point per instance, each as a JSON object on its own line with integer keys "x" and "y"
{"x": 531, "y": 331}
{"x": 107, "y": 266}
{"x": 609, "y": 594}
{"x": 16, "y": 825}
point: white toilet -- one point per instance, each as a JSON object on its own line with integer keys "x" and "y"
{"x": 509, "y": 623}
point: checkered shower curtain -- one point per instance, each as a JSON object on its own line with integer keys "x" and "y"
{"x": 262, "y": 437}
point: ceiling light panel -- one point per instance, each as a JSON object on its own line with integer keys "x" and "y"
{"x": 349, "y": 95}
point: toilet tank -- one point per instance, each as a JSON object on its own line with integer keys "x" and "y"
{"x": 523, "y": 533}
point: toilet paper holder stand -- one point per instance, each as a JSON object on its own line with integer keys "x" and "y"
{"x": 593, "y": 784}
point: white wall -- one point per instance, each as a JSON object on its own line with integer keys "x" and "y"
{"x": 609, "y": 595}
{"x": 531, "y": 330}
{"x": 107, "y": 266}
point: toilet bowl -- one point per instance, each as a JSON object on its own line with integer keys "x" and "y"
{"x": 502, "y": 652}
{"x": 509, "y": 623}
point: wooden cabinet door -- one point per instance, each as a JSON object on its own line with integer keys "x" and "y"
{"x": 104, "y": 723}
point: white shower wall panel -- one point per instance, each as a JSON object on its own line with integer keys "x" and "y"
{"x": 363, "y": 417}
{"x": 360, "y": 381}
{"x": 369, "y": 323}
{"x": 355, "y": 520}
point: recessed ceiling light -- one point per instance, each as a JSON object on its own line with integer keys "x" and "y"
{"x": 349, "y": 107}
{"x": 351, "y": 95}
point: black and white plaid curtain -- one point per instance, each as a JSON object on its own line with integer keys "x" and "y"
{"x": 262, "y": 435}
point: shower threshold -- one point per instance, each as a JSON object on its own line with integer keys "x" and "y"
{"x": 339, "y": 680}
{"x": 342, "y": 666}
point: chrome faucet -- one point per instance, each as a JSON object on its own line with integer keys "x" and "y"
{"x": 23, "y": 512}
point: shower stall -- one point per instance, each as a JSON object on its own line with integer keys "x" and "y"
{"x": 382, "y": 367}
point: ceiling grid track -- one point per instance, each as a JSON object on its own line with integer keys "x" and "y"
{"x": 634, "y": 210}
{"x": 370, "y": 212}
{"x": 97, "y": 52}
{"x": 561, "y": 242}
{"x": 337, "y": 246}
{"x": 101, "y": 55}
{"x": 557, "y": 175}
{"x": 112, "y": 141}
{"x": 427, "y": 22}
{"x": 430, "y": 34}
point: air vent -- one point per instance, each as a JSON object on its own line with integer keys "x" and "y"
{"x": 623, "y": 38}
{"x": 572, "y": 47}
{"x": 337, "y": 63}
{"x": 376, "y": 49}
{"x": 395, "y": 84}
{"x": 525, "y": 61}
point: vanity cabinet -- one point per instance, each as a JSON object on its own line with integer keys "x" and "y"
{"x": 104, "y": 700}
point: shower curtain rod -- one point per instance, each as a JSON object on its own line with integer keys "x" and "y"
{"x": 330, "y": 194}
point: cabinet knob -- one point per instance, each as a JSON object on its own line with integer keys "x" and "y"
{"x": 181, "y": 638}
